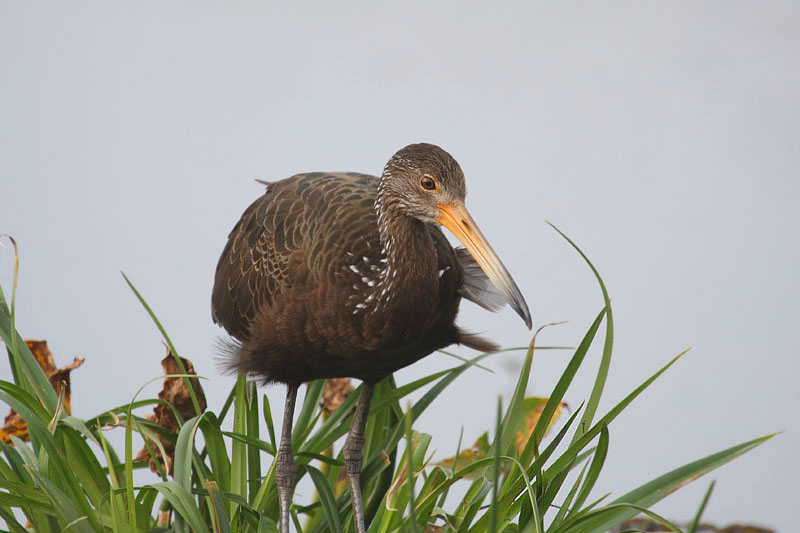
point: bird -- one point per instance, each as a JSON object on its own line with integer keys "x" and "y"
{"x": 343, "y": 274}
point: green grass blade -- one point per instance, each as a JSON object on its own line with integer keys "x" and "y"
{"x": 566, "y": 379}
{"x": 217, "y": 453}
{"x": 145, "y": 502}
{"x": 268, "y": 420}
{"x": 308, "y": 410}
{"x": 184, "y": 452}
{"x": 410, "y": 468}
{"x": 25, "y": 493}
{"x": 326, "y": 498}
{"x": 576, "y": 447}
{"x": 471, "y": 504}
{"x": 319, "y": 457}
{"x": 443, "y": 496}
{"x": 14, "y": 470}
{"x": 699, "y": 514}
{"x": 251, "y": 441}
{"x": 626, "y": 506}
{"x": 334, "y": 427}
{"x": 629, "y": 508}
{"x": 508, "y": 513}
{"x": 110, "y": 416}
{"x": 129, "y": 472}
{"x": 461, "y": 474}
{"x": 253, "y": 455}
{"x": 26, "y": 371}
{"x": 497, "y": 447}
{"x": 183, "y": 503}
{"x": 114, "y": 499}
{"x": 376, "y": 464}
{"x": 239, "y": 449}
{"x": 594, "y": 470}
{"x": 186, "y": 380}
{"x": 49, "y": 450}
{"x": 517, "y": 484}
{"x": 26, "y": 398}
{"x": 218, "y": 513}
{"x": 11, "y": 521}
{"x": 514, "y": 413}
{"x": 565, "y": 505}
{"x": 63, "y": 504}
{"x": 85, "y": 465}
{"x": 151, "y": 441}
{"x": 226, "y": 405}
{"x": 608, "y": 344}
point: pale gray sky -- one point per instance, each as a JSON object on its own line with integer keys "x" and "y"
{"x": 662, "y": 137}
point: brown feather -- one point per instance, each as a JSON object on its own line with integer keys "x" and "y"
{"x": 476, "y": 342}
{"x": 311, "y": 284}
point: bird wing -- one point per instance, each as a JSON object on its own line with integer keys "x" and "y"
{"x": 250, "y": 268}
{"x": 477, "y": 287}
{"x": 277, "y": 243}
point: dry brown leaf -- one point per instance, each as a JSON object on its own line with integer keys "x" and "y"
{"x": 173, "y": 391}
{"x": 336, "y": 392}
{"x": 14, "y": 424}
{"x": 532, "y": 407}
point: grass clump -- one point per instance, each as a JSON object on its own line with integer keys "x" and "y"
{"x": 69, "y": 478}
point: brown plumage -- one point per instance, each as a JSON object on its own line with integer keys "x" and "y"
{"x": 344, "y": 274}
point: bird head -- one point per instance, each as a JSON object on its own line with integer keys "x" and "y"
{"x": 420, "y": 177}
{"x": 425, "y": 182}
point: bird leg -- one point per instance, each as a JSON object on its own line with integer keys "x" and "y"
{"x": 353, "y": 451}
{"x": 285, "y": 471}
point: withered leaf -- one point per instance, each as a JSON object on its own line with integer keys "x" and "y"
{"x": 532, "y": 407}
{"x": 336, "y": 392}
{"x": 14, "y": 424}
{"x": 175, "y": 392}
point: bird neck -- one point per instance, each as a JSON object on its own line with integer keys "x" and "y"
{"x": 410, "y": 257}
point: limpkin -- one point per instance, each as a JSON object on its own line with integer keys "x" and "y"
{"x": 349, "y": 275}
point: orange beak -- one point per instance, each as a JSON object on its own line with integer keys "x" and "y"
{"x": 457, "y": 219}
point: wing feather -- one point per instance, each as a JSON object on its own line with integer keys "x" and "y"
{"x": 477, "y": 287}
{"x": 252, "y": 266}
{"x": 278, "y": 241}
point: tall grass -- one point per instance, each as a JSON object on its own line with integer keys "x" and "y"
{"x": 69, "y": 478}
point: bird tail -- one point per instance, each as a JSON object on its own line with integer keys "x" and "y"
{"x": 228, "y": 356}
{"x": 476, "y": 342}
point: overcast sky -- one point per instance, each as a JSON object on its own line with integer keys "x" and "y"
{"x": 662, "y": 137}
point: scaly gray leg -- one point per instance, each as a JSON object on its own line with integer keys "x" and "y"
{"x": 285, "y": 472}
{"x": 353, "y": 451}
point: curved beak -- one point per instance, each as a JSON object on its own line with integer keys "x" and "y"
{"x": 457, "y": 219}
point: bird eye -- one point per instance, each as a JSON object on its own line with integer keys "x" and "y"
{"x": 427, "y": 182}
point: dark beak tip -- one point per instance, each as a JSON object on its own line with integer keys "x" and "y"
{"x": 522, "y": 310}
{"x": 528, "y": 321}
